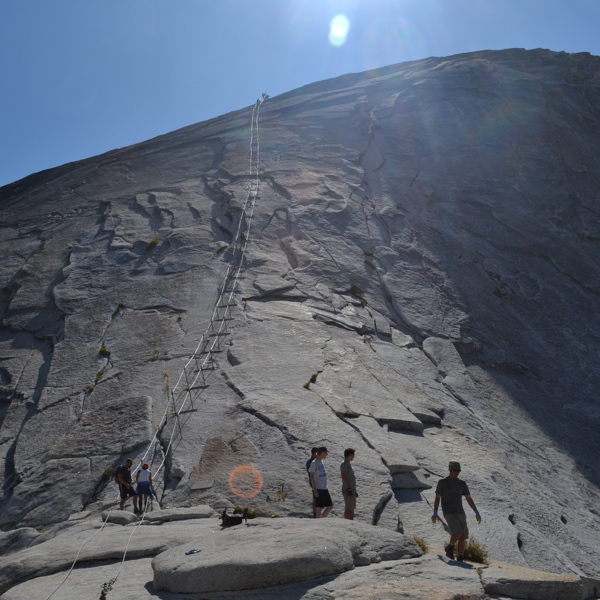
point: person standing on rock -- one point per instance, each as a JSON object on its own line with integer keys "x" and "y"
{"x": 348, "y": 484}
{"x": 313, "y": 455}
{"x": 143, "y": 479}
{"x": 318, "y": 481}
{"x": 123, "y": 476}
{"x": 450, "y": 491}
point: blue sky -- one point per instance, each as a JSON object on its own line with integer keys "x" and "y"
{"x": 81, "y": 77}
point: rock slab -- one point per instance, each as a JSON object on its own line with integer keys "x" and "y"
{"x": 269, "y": 552}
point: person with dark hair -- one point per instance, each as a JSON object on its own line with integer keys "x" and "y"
{"x": 318, "y": 481}
{"x": 144, "y": 486}
{"x": 348, "y": 484}
{"x": 450, "y": 491}
{"x": 313, "y": 455}
{"x": 123, "y": 477}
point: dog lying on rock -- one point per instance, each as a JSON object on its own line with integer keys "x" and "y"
{"x": 231, "y": 520}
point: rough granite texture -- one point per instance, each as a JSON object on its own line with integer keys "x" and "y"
{"x": 420, "y": 281}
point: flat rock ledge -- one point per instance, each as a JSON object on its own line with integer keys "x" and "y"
{"x": 267, "y": 552}
{"x": 428, "y": 577}
{"x": 120, "y": 517}
{"x": 500, "y": 579}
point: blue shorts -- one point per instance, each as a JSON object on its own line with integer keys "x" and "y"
{"x": 144, "y": 489}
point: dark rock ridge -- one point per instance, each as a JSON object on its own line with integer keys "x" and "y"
{"x": 419, "y": 279}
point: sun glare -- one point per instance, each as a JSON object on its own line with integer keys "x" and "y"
{"x": 338, "y": 30}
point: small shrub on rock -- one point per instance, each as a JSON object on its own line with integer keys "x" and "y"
{"x": 477, "y": 552}
{"x": 421, "y": 543}
{"x": 152, "y": 244}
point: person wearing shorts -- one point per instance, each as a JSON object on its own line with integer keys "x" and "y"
{"x": 123, "y": 475}
{"x": 348, "y": 484}
{"x": 313, "y": 455}
{"x": 318, "y": 480}
{"x": 144, "y": 485}
{"x": 450, "y": 492}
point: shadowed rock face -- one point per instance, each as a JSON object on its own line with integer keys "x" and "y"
{"x": 421, "y": 282}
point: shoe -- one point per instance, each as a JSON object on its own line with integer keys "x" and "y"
{"x": 460, "y": 558}
{"x": 449, "y": 551}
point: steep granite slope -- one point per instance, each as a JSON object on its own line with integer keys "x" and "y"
{"x": 419, "y": 280}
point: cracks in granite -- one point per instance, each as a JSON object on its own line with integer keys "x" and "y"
{"x": 10, "y": 471}
{"x": 49, "y": 331}
{"x": 290, "y": 439}
{"x": 569, "y": 276}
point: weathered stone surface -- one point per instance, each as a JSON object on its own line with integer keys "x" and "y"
{"x": 423, "y": 578}
{"x": 11, "y": 541}
{"x": 394, "y": 455}
{"x": 423, "y": 255}
{"x": 120, "y": 517}
{"x": 266, "y": 552}
{"x": 179, "y": 514}
{"x": 109, "y": 544}
{"x": 535, "y": 585}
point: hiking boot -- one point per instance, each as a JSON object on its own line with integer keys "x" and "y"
{"x": 460, "y": 558}
{"x": 449, "y": 551}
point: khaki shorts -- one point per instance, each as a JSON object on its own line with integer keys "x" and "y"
{"x": 458, "y": 524}
{"x": 349, "y": 501}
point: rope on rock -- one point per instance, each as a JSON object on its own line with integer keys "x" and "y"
{"x": 193, "y": 378}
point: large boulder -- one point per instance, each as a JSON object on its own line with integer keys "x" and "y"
{"x": 268, "y": 552}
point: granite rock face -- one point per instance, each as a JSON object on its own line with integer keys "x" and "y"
{"x": 404, "y": 262}
{"x": 269, "y": 552}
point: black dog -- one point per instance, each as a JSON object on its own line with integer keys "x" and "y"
{"x": 231, "y": 520}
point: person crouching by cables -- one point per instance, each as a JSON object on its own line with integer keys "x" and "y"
{"x": 123, "y": 477}
{"x": 450, "y": 491}
{"x": 143, "y": 479}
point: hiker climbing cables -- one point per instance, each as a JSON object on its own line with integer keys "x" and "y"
{"x": 450, "y": 491}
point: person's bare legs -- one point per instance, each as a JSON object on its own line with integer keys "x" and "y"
{"x": 326, "y": 511}
{"x": 349, "y": 514}
{"x": 458, "y": 537}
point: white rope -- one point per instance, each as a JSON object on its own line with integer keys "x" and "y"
{"x": 78, "y": 553}
{"x": 228, "y": 279}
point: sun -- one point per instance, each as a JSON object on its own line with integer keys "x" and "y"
{"x": 338, "y": 30}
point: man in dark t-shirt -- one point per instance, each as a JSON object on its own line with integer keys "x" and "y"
{"x": 123, "y": 475}
{"x": 451, "y": 491}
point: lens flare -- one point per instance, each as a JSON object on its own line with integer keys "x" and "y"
{"x": 245, "y": 481}
{"x": 338, "y": 30}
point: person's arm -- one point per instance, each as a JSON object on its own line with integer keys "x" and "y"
{"x": 313, "y": 483}
{"x": 345, "y": 480}
{"x": 121, "y": 480}
{"x": 137, "y": 476}
{"x": 472, "y": 505}
{"x": 436, "y": 504}
{"x": 150, "y": 478}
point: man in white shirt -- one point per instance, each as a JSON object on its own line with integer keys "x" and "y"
{"x": 318, "y": 481}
